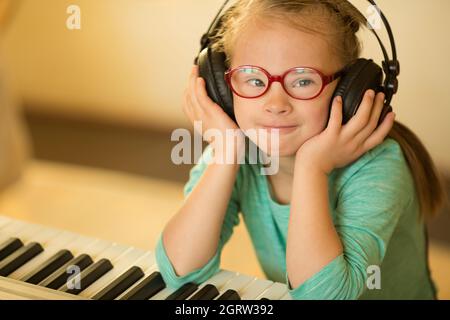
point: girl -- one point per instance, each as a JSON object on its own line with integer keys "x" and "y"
{"x": 347, "y": 198}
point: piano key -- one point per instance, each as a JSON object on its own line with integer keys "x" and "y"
{"x": 208, "y": 292}
{"x": 25, "y": 232}
{"x": 163, "y": 294}
{"x": 132, "y": 258}
{"x": 230, "y": 294}
{"x": 183, "y": 292}
{"x": 81, "y": 244}
{"x": 254, "y": 289}
{"x": 51, "y": 247}
{"x": 60, "y": 276}
{"x": 274, "y": 292}
{"x": 114, "y": 251}
{"x": 48, "y": 267}
{"x": 218, "y": 280}
{"x": 146, "y": 263}
{"x": 12, "y": 229}
{"x": 119, "y": 285}
{"x": 85, "y": 245}
{"x": 237, "y": 283}
{"x": 19, "y": 257}
{"x": 146, "y": 288}
{"x": 42, "y": 237}
{"x": 88, "y": 276}
{"x": 97, "y": 270}
{"x": 9, "y": 246}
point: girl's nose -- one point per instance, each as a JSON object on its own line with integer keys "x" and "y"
{"x": 277, "y": 101}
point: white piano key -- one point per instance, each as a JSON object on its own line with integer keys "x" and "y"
{"x": 147, "y": 262}
{"x": 114, "y": 251}
{"x": 254, "y": 289}
{"x": 27, "y": 233}
{"x": 236, "y": 283}
{"x": 122, "y": 264}
{"x": 11, "y": 230}
{"x": 274, "y": 292}
{"x": 91, "y": 246}
{"x": 220, "y": 278}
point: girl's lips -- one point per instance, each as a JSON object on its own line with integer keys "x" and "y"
{"x": 282, "y": 130}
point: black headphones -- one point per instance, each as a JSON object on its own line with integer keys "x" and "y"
{"x": 359, "y": 76}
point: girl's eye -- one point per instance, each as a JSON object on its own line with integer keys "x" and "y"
{"x": 303, "y": 83}
{"x": 256, "y": 82}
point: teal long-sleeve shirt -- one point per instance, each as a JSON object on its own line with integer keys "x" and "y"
{"x": 376, "y": 214}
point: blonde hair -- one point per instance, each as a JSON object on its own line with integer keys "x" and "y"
{"x": 337, "y": 21}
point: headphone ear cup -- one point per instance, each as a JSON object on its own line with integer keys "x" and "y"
{"x": 361, "y": 76}
{"x": 212, "y": 68}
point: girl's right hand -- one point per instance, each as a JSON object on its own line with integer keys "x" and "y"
{"x": 198, "y": 106}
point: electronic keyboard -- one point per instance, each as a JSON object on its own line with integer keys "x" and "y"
{"x": 38, "y": 262}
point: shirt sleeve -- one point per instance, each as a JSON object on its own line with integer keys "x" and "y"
{"x": 369, "y": 207}
{"x": 231, "y": 219}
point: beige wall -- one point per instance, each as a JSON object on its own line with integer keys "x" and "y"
{"x": 130, "y": 60}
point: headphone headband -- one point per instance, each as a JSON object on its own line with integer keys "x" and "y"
{"x": 391, "y": 67}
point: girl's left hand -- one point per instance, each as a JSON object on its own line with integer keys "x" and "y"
{"x": 338, "y": 145}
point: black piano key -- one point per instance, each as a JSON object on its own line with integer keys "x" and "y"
{"x": 47, "y": 267}
{"x": 229, "y": 295}
{"x": 119, "y": 285}
{"x": 208, "y": 292}
{"x": 9, "y": 246}
{"x": 147, "y": 288}
{"x": 89, "y": 276}
{"x": 17, "y": 259}
{"x": 60, "y": 276}
{"x": 183, "y": 292}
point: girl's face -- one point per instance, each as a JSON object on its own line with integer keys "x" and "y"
{"x": 277, "y": 47}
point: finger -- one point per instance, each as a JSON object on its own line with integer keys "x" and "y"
{"x": 378, "y": 136}
{"x": 187, "y": 108}
{"x": 374, "y": 118}
{"x": 360, "y": 120}
{"x": 335, "y": 122}
{"x": 193, "y": 84}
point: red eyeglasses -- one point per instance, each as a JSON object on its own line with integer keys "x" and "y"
{"x": 302, "y": 83}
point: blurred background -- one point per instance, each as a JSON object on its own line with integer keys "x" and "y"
{"x": 89, "y": 97}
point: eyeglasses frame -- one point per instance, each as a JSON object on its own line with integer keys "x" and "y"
{"x": 326, "y": 79}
